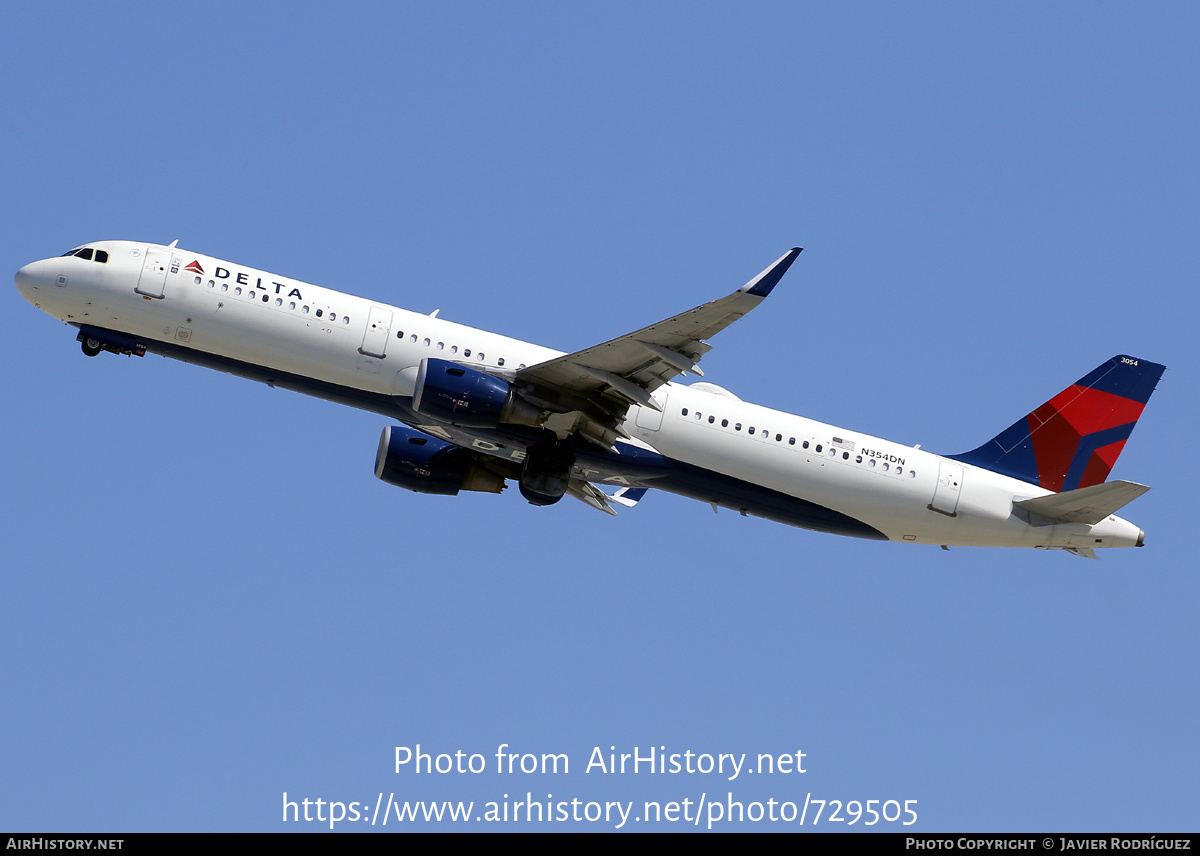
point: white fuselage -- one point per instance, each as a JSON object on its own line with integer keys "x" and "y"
{"x": 256, "y": 318}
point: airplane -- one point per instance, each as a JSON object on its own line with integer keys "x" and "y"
{"x": 473, "y": 410}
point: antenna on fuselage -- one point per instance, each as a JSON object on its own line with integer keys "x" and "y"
{"x": 173, "y": 244}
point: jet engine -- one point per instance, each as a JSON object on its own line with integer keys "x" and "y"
{"x": 463, "y": 396}
{"x": 422, "y": 463}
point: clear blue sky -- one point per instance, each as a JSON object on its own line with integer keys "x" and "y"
{"x": 207, "y": 600}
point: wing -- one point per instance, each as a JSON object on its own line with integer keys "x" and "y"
{"x": 591, "y": 390}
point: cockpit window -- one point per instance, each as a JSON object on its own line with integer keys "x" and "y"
{"x": 86, "y": 253}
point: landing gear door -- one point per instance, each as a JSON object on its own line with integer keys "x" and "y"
{"x": 948, "y": 490}
{"x": 154, "y": 272}
{"x": 379, "y": 324}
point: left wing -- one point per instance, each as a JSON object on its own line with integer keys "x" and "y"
{"x": 592, "y": 389}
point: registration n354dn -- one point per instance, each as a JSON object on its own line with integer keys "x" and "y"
{"x": 473, "y": 410}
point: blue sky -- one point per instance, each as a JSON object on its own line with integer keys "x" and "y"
{"x": 208, "y": 600}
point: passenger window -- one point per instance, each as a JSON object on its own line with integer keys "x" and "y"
{"x": 751, "y": 430}
{"x": 196, "y": 280}
{"x": 818, "y": 447}
{"x": 500, "y": 361}
{"x": 778, "y": 438}
{"x": 320, "y": 312}
{"x": 845, "y": 456}
{"x": 238, "y": 291}
{"x": 467, "y": 352}
{"x": 441, "y": 345}
{"x": 791, "y": 441}
{"x": 304, "y": 309}
{"x": 724, "y": 423}
{"x": 805, "y": 444}
{"x": 711, "y": 420}
{"x": 886, "y": 467}
{"x": 454, "y": 349}
{"x": 279, "y": 301}
{"x": 684, "y": 411}
{"x": 737, "y": 427}
{"x": 413, "y": 337}
{"x": 333, "y": 317}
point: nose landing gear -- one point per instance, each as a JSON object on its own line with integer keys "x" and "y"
{"x": 93, "y": 340}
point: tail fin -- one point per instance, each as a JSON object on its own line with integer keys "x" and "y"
{"x": 1073, "y": 440}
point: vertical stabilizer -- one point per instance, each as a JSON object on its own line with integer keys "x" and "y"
{"x": 1073, "y": 440}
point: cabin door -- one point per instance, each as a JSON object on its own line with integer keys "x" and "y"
{"x": 652, "y": 419}
{"x": 949, "y": 488}
{"x": 154, "y": 272}
{"x": 379, "y": 325}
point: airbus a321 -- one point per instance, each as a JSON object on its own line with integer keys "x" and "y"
{"x": 473, "y": 410}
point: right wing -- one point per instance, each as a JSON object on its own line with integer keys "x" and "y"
{"x": 597, "y": 386}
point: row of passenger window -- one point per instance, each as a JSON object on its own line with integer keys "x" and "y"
{"x": 333, "y": 316}
{"x": 819, "y": 448}
{"x": 441, "y": 346}
{"x": 266, "y": 298}
{"x": 86, "y": 253}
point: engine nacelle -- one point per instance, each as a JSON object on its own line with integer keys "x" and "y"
{"x": 464, "y": 396}
{"x": 415, "y": 460}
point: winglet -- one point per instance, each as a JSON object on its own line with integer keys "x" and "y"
{"x": 762, "y": 284}
{"x": 628, "y": 496}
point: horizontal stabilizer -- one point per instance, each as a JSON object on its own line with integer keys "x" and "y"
{"x": 1086, "y": 504}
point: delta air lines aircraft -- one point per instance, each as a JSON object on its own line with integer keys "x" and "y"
{"x": 473, "y": 410}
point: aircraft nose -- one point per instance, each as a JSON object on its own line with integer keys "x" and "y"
{"x": 29, "y": 279}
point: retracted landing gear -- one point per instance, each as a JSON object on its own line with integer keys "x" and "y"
{"x": 93, "y": 340}
{"x": 546, "y": 472}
